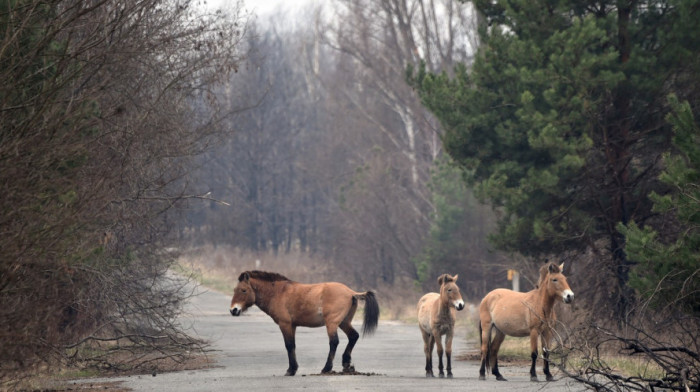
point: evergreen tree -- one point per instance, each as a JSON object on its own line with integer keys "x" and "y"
{"x": 669, "y": 264}
{"x": 456, "y": 241}
{"x": 559, "y": 122}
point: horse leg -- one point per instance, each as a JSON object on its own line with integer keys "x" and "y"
{"x": 533, "y": 349}
{"x": 448, "y": 352}
{"x": 353, "y": 336}
{"x": 438, "y": 341}
{"x": 485, "y": 334}
{"x": 546, "y": 338}
{"x": 428, "y": 350}
{"x": 288, "y": 331}
{"x": 495, "y": 346}
{"x": 333, "y": 342}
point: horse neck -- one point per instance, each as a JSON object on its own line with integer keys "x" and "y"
{"x": 444, "y": 305}
{"x": 545, "y": 301}
{"x": 264, "y": 292}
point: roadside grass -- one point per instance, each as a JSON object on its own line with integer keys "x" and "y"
{"x": 214, "y": 280}
{"x": 218, "y": 270}
{"x": 518, "y": 350}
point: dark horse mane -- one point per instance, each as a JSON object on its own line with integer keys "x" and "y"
{"x": 263, "y": 275}
{"x": 545, "y": 269}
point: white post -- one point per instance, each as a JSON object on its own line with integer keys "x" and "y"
{"x": 516, "y": 281}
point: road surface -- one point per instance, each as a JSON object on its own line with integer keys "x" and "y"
{"x": 251, "y": 356}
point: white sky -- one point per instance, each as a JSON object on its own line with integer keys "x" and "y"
{"x": 261, "y": 8}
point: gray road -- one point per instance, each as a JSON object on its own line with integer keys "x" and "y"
{"x": 251, "y": 356}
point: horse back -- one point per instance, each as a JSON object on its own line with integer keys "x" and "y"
{"x": 309, "y": 305}
{"x": 510, "y": 311}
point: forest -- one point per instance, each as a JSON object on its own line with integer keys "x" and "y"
{"x": 380, "y": 143}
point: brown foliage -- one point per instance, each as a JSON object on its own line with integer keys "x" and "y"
{"x": 98, "y": 123}
{"x": 667, "y": 341}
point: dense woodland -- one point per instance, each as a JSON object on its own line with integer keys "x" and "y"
{"x": 337, "y": 158}
{"x": 393, "y": 140}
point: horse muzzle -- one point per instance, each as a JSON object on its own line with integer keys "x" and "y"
{"x": 235, "y": 311}
{"x": 568, "y": 296}
{"x": 459, "y": 305}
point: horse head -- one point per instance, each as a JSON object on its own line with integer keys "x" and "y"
{"x": 449, "y": 291}
{"x": 555, "y": 282}
{"x": 243, "y": 295}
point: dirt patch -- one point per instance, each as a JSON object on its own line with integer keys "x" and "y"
{"x": 89, "y": 387}
{"x": 51, "y": 381}
{"x": 344, "y": 373}
{"x": 501, "y": 358}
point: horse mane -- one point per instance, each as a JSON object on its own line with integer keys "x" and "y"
{"x": 265, "y": 276}
{"x": 545, "y": 269}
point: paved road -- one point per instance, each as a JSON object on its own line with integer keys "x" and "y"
{"x": 251, "y": 357}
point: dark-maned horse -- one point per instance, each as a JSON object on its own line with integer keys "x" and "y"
{"x": 436, "y": 317}
{"x": 292, "y": 304}
{"x": 522, "y": 314}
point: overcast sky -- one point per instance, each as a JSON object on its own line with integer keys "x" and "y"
{"x": 261, "y": 8}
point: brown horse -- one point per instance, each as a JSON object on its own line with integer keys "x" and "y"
{"x": 292, "y": 305}
{"x": 436, "y": 317}
{"x": 522, "y": 314}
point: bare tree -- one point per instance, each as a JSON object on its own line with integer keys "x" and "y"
{"x": 98, "y": 106}
{"x": 388, "y": 206}
{"x": 663, "y": 339}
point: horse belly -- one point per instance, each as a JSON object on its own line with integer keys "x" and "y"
{"x": 309, "y": 317}
{"x": 425, "y": 306}
{"x": 511, "y": 322}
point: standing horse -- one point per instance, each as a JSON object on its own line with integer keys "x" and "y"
{"x": 292, "y": 305}
{"x": 436, "y": 317}
{"x": 522, "y": 314}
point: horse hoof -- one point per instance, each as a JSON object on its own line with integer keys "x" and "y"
{"x": 500, "y": 378}
{"x": 482, "y": 377}
{"x": 429, "y": 375}
{"x": 290, "y": 373}
{"x": 550, "y": 378}
{"x": 442, "y": 375}
{"x": 449, "y": 375}
{"x": 349, "y": 369}
{"x": 534, "y": 379}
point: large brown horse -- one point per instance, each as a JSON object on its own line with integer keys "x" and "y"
{"x": 522, "y": 314}
{"x": 436, "y": 317}
{"x": 292, "y": 305}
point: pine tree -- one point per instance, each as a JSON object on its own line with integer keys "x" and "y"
{"x": 559, "y": 122}
{"x": 669, "y": 263}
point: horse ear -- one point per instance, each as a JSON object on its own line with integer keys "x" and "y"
{"x": 245, "y": 277}
{"x": 441, "y": 279}
{"x": 454, "y": 278}
{"x": 552, "y": 268}
{"x": 561, "y": 267}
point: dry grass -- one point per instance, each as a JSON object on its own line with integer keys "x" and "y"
{"x": 517, "y": 350}
{"x": 218, "y": 268}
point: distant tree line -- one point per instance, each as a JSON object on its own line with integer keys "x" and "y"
{"x": 336, "y": 157}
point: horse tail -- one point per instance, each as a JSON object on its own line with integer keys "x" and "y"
{"x": 487, "y": 360}
{"x": 481, "y": 334}
{"x": 371, "y": 313}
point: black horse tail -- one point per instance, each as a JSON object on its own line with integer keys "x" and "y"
{"x": 487, "y": 360}
{"x": 481, "y": 334}
{"x": 371, "y": 314}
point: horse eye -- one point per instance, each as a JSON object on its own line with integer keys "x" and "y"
{"x": 449, "y": 290}
{"x": 554, "y": 280}
{"x": 243, "y": 291}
